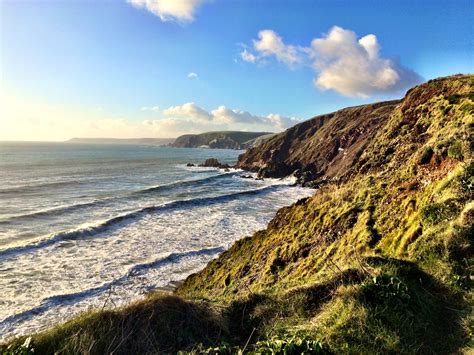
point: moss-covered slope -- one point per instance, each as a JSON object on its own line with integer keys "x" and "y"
{"x": 408, "y": 195}
{"x": 404, "y": 193}
{"x": 379, "y": 260}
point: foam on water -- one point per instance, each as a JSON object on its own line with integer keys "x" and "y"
{"x": 142, "y": 237}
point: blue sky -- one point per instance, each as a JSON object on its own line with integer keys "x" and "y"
{"x": 122, "y": 69}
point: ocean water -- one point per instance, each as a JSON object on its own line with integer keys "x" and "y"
{"x": 92, "y": 226}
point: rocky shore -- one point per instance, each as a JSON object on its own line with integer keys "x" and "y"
{"x": 378, "y": 260}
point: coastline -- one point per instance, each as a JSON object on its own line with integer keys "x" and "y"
{"x": 169, "y": 288}
{"x": 383, "y": 243}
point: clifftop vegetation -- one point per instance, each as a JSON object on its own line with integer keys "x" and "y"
{"x": 378, "y": 260}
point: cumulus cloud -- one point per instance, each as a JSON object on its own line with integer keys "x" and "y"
{"x": 350, "y": 66}
{"x": 192, "y": 75}
{"x": 170, "y": 10}
{"x": 268, "y": 44}
{"x": 190, "y": 111}
{"x": 190, "y": 118}
{"x": 354, "y": 67}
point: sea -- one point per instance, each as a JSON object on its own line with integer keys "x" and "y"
{"x": 97, "y": 226}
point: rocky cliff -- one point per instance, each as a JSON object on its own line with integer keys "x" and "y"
{"x": 386, "y": 239}
{"x": 378, "y": 260}
{"x": 338, "y": 145}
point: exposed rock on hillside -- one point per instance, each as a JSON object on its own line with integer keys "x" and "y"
{"x": 398, "y": 193}
{"x": 378, "y": 260}
{"x": 326, "y": 145}
{"x": 404, "y": 180}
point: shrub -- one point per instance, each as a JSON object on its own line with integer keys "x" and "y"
{"x": 455, "y": 150}
{"x": 467, "y": 179}
{"x": 438, "y": 212}
{"x": 386, "y": 287}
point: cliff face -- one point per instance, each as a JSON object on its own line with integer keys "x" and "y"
{"x": 332, "y": 146}
{"x": 396, "y": 207}
{"x": 326, "y": 145}
{"x": 378, "y": 260}
{"x": 218, "y": 140}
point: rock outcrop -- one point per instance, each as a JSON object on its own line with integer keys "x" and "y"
{"x": 378, "y": 260}
{"x": 214, "y": 163}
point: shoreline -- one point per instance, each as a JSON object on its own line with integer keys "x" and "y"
{"x": 385, "y": 243}
{"x": 172, "y": 285}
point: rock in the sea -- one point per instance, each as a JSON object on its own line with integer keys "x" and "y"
{"x": 190, "y": 164}
{"x": 214, "y": 163}
{"x": 211, "y": 163}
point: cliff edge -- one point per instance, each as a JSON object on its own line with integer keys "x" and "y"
{"x": 378, "y": 260}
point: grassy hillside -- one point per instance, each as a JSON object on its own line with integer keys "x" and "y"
{"x": 399, "y": 209}
{"x": 378, "y": 260}
{"x": 218, "y": 139}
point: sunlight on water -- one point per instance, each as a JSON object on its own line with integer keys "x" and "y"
{"x": 84, "y": 224}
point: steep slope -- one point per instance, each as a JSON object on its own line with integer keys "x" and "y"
{"x": 327, "y": 145}
{"x": 223, "y": 140}
{"x": 400, "y": 193}
{"x": 378, "y": 260}
{"x": 407, "y": 184}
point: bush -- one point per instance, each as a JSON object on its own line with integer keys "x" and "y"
{"x": 439, "y": 212}
{"x": 455, "y": 150}
{"x": 386, "y": 287}
{"x": 467, "y": 179}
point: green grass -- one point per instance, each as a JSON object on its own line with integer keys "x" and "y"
{"x": 160, "y": 324}
{"x": 389, "y": 306}
{"x": 379, "y": 260}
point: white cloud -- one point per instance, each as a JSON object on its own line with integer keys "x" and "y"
{"x": 190, "y": 118}
{"x": 282, "y": 122}
{"x": 190, "y": 111}
{"x": 270, "y": 44}
{"x": 150, "y": 108}
{"x": 350, "y": 66}
{"x": 354, "y": 67}
{"x": 193, "y": 75}
{"x": 170, "y": 10}
{"x": 248, "y": 57}
{"x": 225, "y": 115}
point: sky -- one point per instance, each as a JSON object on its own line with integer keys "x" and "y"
{"x": 162, "y": 68}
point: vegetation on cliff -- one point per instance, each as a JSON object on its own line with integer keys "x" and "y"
{"x": 378, "y": 260}
{"x": 220, "y": 139}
